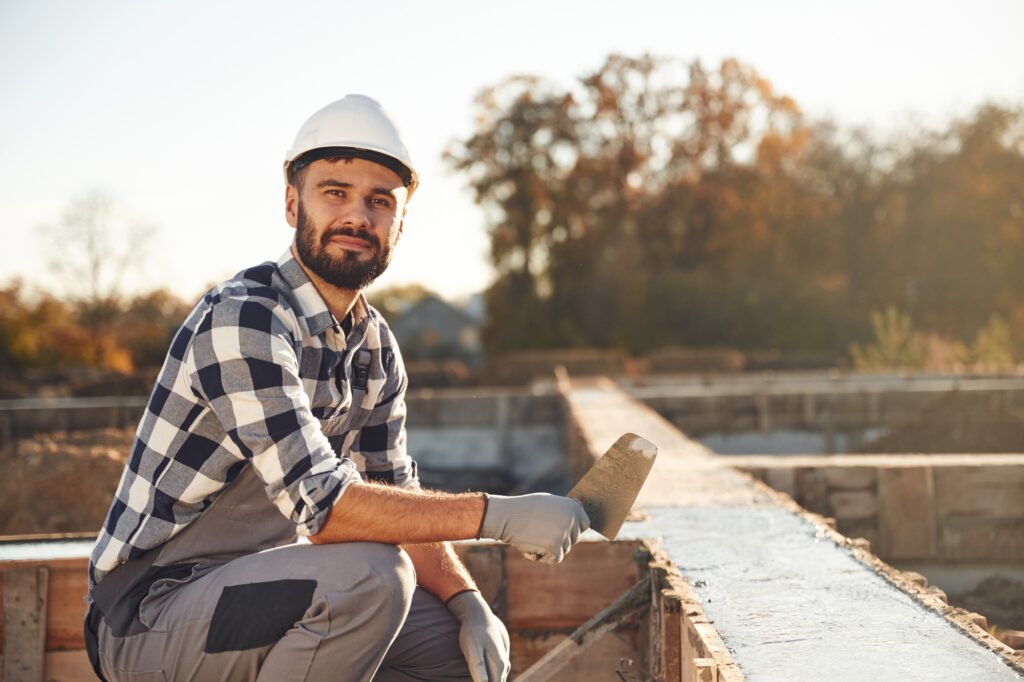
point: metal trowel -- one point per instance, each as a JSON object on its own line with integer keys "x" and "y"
{"x": 610, "y": 488}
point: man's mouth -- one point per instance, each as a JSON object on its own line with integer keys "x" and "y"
{"x": 350, "y": 243}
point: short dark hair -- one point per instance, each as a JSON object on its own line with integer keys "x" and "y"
{"x": 297, "y": 168}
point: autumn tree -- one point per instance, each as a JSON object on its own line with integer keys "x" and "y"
{"x": 601, "y": 197}
{"x": 655, "y": 202}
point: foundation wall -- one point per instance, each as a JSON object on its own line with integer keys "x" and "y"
{"x": 829, "y": 407}
{"x": 939, "y": 508}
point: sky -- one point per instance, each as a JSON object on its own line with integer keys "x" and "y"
{"x": 182, "y": 111}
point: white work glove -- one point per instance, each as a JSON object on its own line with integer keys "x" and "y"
{"x": 542, "y": 525}
{"x": 482, "y": 638}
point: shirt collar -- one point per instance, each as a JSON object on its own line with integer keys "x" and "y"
{"x": 311, "y": 305}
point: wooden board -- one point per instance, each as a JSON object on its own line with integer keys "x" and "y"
{"x": 24, "y": 617}
{"x": 906, "y": 516}
{"x": 566, "y": 595}
{"x": 65, "y": 609}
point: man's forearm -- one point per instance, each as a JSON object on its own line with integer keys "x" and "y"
{"x": 439, "y": 570}
{"x": 377, "y": 513}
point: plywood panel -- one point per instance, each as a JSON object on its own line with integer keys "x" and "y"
{"x": 566, "y": 595}
{"x": 66, "y": 608}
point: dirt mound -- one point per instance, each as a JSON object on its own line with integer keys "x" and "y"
{"x": 1001, "y": 599}
{"x": 61, "y": 482}
{"x": 957, "y": 422}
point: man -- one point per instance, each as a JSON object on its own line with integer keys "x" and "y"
{"x": 280, "y": 411}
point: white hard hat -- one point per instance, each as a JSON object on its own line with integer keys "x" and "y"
{"x": 356, "y": 125}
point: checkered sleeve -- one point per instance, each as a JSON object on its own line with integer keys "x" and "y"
{"x": 244, "y": 363}
{"x": 381, "y": 442}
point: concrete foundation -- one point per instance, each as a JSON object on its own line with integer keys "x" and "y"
{"x": 791, "y": 598}
{"x": 954, "y": 509}
{"x": 743, "y": 582}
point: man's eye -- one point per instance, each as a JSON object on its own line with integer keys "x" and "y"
{"x": 383, "y": 203}
{"x": 335, "y": 193}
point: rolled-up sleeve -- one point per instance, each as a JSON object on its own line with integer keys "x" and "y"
{"x": 244, "y": 364}
{"x": 381, "y": 441}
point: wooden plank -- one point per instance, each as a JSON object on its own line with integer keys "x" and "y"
{"x": 599, "y": 663}
{"x": 671, "y": 636}
{"x": 853, "y": 504}
{"x": 529, "y": 646}
{"x": 850, "y": 477}
{"x": 562, "y": 656}
{"x": 905, "y": 511}
{"x": 660, "y": 571}
{"x": 66, "y": 608}
{"x": 968, "y": 540}
{"x": 24, "y": 601}
{"x": 545, "y": 596}
{"x": 693, "y": 647}
{"x": 68, "y": 666}
{"x": 704, "y": 670}
{"x": 980, "y": 491}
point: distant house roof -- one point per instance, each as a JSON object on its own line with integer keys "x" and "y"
{"x": 436, "y": 309}
{"x": 432, "y": 326}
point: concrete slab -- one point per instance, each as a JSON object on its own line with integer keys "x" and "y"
{"x": 792, "y": 605}
{"x": 685, "y": 473}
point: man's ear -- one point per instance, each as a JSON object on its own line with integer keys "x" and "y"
{"x": 291, "y": 205}
{"x": 401, "y": 226}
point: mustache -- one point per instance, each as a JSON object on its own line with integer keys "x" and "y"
{"x": 365, "y": 235}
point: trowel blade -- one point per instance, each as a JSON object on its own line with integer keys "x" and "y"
{"x": 610, "y": 488}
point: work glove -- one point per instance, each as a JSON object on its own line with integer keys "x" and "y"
{"x": 542, "y": 526}
{"x": 482, "y": 638}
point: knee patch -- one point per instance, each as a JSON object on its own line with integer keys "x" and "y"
{"x": 257, "y": 614}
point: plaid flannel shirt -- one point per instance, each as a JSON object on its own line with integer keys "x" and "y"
{"x": 261, "y": 374}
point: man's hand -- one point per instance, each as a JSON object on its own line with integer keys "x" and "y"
{"x": 539, "y": 523}
{"x": 483, "y": 637}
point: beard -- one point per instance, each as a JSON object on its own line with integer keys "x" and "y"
{"x": 347, "y": 271}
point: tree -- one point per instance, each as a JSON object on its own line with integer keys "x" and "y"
{"x": 593, "y": 192}
{"x": 91, "y": 249}
{"x": 655, "y": 202}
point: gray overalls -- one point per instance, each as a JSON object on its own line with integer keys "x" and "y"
{"x": 234, "y": 597}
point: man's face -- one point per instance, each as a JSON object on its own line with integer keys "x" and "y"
{"x": 348, "y": 216}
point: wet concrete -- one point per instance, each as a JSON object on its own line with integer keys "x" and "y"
{"x": 792, "y": 605}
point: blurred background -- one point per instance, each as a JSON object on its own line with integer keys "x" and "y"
{"x": 700, "y": 200}
{"x": 809, "y": 184}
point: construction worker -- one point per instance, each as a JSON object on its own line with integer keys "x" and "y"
{"x": 280, "y": 412}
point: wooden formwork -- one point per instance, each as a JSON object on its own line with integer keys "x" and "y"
{"x": 681, "y": 645}
{"x": 43, "y": 606}
{"x": 610, "y": 607}
{"x": 544, "y": 605}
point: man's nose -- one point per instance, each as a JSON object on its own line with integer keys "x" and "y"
{"x": 355, "y": 215}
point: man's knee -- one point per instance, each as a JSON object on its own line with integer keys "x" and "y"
{"x": 388, "y": 577}
{"x": 394, "y": 570}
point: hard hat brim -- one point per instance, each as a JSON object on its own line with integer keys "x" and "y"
{"x": 303, "y": 160}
